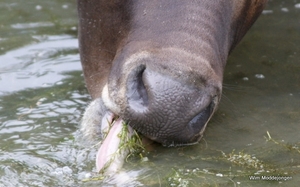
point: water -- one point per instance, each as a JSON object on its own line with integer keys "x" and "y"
{"x": 42, "y": 98}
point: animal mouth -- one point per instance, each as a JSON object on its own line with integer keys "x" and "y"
{"x": 196, "y": 128}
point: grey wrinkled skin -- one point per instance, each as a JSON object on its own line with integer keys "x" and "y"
{"x": 159, "y": 64}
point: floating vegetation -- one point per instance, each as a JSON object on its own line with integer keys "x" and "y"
{"x": 243, "y": 159}
{"x": 243, "y": 166}
{"x": 290, "y": 147}
{"x": 179, "y": 178}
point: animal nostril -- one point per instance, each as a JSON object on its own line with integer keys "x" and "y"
{"x": 136, "y": 90}
{"x": 199, "y": 121}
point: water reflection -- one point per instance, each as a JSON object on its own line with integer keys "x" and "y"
{"x": 40, "y": 64}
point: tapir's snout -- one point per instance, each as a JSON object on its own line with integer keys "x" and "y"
{"x": 163, "y": 104}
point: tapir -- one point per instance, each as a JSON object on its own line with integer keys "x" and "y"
{"x": 159, "y": 64}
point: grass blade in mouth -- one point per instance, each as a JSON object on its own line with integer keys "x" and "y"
{"x": 120, "y": 142}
